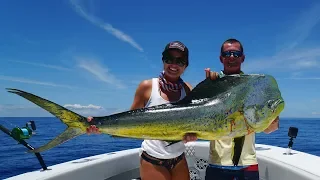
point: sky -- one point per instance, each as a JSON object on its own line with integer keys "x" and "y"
{"x": 90, "y": 55}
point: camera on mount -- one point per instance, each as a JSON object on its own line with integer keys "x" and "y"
{"x": 292, "y": 133}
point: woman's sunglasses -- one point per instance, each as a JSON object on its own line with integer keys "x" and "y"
{"x": 234, "y": 53}
{"x": 180, "y": 61}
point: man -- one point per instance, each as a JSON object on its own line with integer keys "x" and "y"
{"x": 224, "y": 164}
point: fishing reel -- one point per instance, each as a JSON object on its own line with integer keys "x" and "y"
{"x": 24, "y": 132}
{"x": 20, "y": 134}
{"x": 292, "y": 133}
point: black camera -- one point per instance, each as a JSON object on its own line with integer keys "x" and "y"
{"x": 293, "y": 132}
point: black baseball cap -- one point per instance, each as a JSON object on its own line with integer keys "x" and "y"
{"x": 178, "y": 46}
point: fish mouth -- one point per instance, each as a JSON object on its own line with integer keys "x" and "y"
{"x": 260, "y": 121}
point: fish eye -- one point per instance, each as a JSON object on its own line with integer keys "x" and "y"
{"x": 269, "y": 103}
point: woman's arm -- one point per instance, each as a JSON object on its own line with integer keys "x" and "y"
{"x": 142, "y": 95}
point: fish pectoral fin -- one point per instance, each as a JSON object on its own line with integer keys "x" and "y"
{"x": 238, "y": 146}
{"x": 69, "y": 133}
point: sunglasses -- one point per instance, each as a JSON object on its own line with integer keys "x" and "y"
{"x": 180, "y": 61}
{"x": 234, "y": 53}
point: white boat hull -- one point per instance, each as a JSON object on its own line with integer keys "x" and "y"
{"x": 124, "y": 165}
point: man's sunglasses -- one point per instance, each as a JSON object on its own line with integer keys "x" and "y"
{"x": 234, "y": 53}
{"x": 180, "y": 61}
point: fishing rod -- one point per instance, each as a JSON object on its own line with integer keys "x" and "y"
{"x": 20, "y": 134}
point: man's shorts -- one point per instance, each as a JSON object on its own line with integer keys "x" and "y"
{"x": 214, "y": 172}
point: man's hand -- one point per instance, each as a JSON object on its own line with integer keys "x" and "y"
{"x": 189, "y": 137}
{"x": 273, "y": 126}
{"x": 212, "y": 75}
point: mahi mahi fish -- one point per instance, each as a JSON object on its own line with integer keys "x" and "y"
{"x": 229, "y": 107}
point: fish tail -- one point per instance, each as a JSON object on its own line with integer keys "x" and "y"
{"x": 76, "y": 124}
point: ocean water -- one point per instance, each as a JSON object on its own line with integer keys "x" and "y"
{"x": 15, "y": 160}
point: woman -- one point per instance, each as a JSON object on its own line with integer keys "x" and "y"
{"x": 160, "y": 160}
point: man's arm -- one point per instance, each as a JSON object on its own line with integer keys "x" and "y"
{"x": 273, "y": 126}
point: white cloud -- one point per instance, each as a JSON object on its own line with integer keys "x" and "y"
{"x": 107, "y": 27}
{"x": 150, "y": 63}
{"x": 296, "y": 74}
{"x": 43, "y": 65}
{"x": 315, "y": 113}
{"x": 293, "y": 56}
{"x": 19, "y": 110}
{"x": 91, "y": 110}
{"x": 303, "y": 64}
{"x": 100, "y": 72}
{"x": 7, "y": 107}
{"x": 303, "y": 27}
{"x": 78, "y": 106}
{"x": 302, "y": 78}
{"x": 315, "y": 100}
{"x": 297, "y": 60}
{"x": 15, "y": 110}
{"x": 21, "y": 38}
{"x": 29, "y": 81}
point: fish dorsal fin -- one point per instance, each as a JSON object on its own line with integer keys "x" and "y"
{"x": 211, "y": 88}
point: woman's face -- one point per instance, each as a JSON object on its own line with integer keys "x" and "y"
{"x": 174, "y": 64}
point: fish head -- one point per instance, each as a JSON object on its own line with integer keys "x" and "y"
{"x": 263, "y": 104}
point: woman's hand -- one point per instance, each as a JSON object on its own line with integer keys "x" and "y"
{"x": 189, "y": 137}
{"x": 92, "y": 129}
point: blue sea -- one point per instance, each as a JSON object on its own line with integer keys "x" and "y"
{"x": 15, "y": 160}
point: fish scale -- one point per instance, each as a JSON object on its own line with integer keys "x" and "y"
{"x": 229, "y": 107}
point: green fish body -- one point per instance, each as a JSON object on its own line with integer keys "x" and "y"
{"x": 229, "y": 107}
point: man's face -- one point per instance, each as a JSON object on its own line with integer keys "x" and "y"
{"x": 232, "y": 57}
